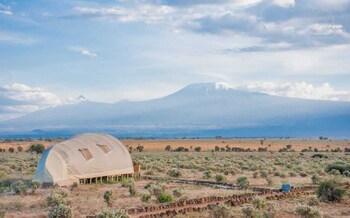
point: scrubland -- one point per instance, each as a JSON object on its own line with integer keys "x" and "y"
{"x": 264, "y": 163}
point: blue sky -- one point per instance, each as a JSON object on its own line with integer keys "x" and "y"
{"x": 52, "y": 51}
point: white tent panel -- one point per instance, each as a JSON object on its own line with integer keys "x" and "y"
{"x": 84, "y": 156}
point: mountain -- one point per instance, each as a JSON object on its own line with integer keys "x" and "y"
{"x": 203, "y": 110}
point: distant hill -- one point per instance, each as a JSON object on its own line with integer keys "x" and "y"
{"x": 203, "y": 110}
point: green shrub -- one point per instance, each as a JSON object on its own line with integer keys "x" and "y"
{"x": 313, "y": 201}
{"x": 127, "y": 182}
{"x": 156, "y": 189}
{"x": 38, "y": 148}
{"x": 221, "y": 211}
{"x": 335, "y": 172}
{"x": 113, "y": 214}
{"x": 346, "y": 173}
{"x": 315, "y": 179}
{"x": 165, "y": 198}
{"x": 60, "y": 211}
{"x": 132, "y": 190}
{"x": 306, "y": 211}
{"x": 174, "y": 173}
{"x": 249, "y": 212}
{"x": 270, "y": 210}
{"x": 197, "y": 149}
{"x": 11, "y": 150}
{"x": 341, "y": 167}
{"x": 219, "y": 178}
{"x": 177, "y": 193}
{"x": 330, "y": 191}
{"x": 207, "y": 174}
{"x": 259, "y": 203}
{"x": 19, "y": 187}
{"x": 107, "y": 196}
{"x": 19, "y": 148}
{"x": 57, "y": 197}
{"x": 242, "y": 182}
{"x": 35, "y": 185}
{"x": 145, "y": 197}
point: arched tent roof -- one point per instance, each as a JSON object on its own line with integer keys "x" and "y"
{"x": 83, "y": 156}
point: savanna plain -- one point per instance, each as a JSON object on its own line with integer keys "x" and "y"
{"x": 245, "y": 164}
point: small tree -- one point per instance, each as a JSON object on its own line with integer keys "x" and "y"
{"x": 145, "y": 197}
{"x": 168, "y": 148}
{"x": 38, "y": 148}
{"x": 207, "y": 174}
{"x": 330, "y": 191}
{"x": 165, "y": 198}
{"x": 107, "y": 196}
{"x": 19, "y": 187}
{"x": 308, "y": 211}
{"x": 242, "y": 182}
{"x": 35, "y": 185}
{"x": 219, "y": 178}
{"x": 221, "y": 211}
{"x": 60, "y": 210}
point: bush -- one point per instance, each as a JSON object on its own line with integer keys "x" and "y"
{"x": 57, "y": 197}
{"x": 207, "y": 174}
{"x": 330, "y": 191}
{"x": 270, "y": 210}
{"x": 313, "y": 201}
{"x": 249, "y": 212}
{"x": 269, "y": 181}
{"x": 242, "y": 182}
{"x": 221, "y": 211}
{"x": 197, "y": 149}
{"x": 19, "y": 187}
{"x": 306, "y": 211}
{"x": 156, "y": 190}
{"x": 132, "y": 190}
{"x": 127, "y": 182}
{"x": 177, "y": 193}
{"x": 341, "y": 167}
{"x": 38, "y": 148}
{"x": 35, "y": 185}
{"x": 346, "y": 173}
{"x": 174, "y": 173}
{"x": 165, "y": 198}
{"x": 168, "y": 148}
{"x": 145, "y": 197}
{"x": 219, "y": 178}
{"x": 259, "y": 203}
{"x": 315, "y": 179}
{"x": 19, "y": 148}
{"x": 11, "y": 150}
{"x": 107, "y": 196}
{"x": 113, "y": 214}
{"x": 60, "y": 211}
{"x": 255, "y": 175}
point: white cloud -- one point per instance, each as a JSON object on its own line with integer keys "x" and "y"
{"x": 19, "y": 99}
{"x": 300, "y": 90}
{"x": 5, "y": 10}
{"x": 147, "y": 13}
{"x": 84, "y": 52}
{"x": 284, "y": 3}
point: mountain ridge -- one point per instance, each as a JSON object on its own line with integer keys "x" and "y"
{"x": 197, "y": 109}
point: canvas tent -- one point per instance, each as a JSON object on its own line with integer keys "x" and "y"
{"x": 85, "y": 157}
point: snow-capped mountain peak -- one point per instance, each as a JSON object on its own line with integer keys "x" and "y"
{"x": 222, "y": 86}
